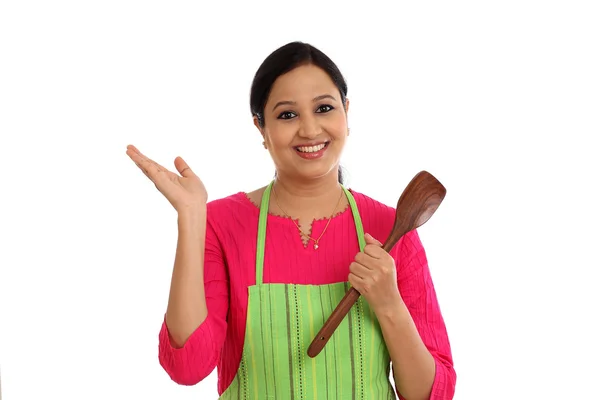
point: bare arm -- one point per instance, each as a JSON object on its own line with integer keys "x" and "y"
{"x": 195, "y": 324}
{"x": 187, "y": 309}
{"x": 187, "y": 320}
{"x": 414, "y": 366}
{"x": 186, "y": 193}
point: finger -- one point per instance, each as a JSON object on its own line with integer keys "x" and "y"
{"x": 136, "y": 154}
{"x": 142, "y": 169}
{"x": 153, "y": 165}
{"x": 356, "y": 282}
{"x": 375, "y": 251}
{"x": 133, "y": 148}
{"x": 365, "y": 260}
{"x": 183, "y": 168}
{"x": 373, "y": 247}
{"x": 359, "y": 270}
{"x": 371, "y": 240}
{"x": 362, "y": 285}
{"x": 136, "y": 158}
{"x": 151, "y": 170}
{"x": 134, "y": 151}
{"x": 150, "y": 167}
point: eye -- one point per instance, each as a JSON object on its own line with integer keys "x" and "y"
{"x": 286, "y": 115}
{"x": 324, "y": 108}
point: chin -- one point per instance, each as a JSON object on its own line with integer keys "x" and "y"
{"x": 317, "y": 173}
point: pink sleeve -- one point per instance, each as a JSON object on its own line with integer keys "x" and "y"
{"x": 418, "y": 292}
{"x": 198, "y": 357}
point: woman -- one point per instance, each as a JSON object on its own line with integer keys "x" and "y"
{"x": 257, "y": 274}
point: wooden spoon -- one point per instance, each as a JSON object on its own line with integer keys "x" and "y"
{"x": 416, "y": 205}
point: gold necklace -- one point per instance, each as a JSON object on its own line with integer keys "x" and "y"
{"x": 316, "y": 246}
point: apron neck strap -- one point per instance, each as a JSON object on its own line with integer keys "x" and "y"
{"x": 262, "y": 228}
{"x": 262, "y": 233}
{"x": 357, "y": 220}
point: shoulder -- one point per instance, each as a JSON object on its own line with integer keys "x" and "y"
{"x": 232, "y": 209}
{"x": 372, "y": 206}
{"x": 377, "y": 217}
{"x": 233, "y": 200}
{"x": 378, "y": 220}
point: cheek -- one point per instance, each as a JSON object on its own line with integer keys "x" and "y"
{"x": 280, "y": 135}
{"x": 337, "y": 127}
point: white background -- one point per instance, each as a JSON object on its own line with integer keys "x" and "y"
{"x": 499, "y": 100}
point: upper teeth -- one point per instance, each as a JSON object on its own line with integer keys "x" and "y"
{"x": 311, "y": 149}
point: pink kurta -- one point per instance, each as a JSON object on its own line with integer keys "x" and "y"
{"x": 229, "y": 268}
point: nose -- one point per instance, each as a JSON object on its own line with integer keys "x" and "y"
{"x": 309, "y": 127}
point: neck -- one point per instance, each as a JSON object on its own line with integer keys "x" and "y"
{"x": 315, "y": 197}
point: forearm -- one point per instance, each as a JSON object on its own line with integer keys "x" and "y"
{"x": 187, "y": 309}
{"x": 414, "y": 366}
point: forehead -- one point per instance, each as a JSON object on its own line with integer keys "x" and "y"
{"x": 302, "y": 83}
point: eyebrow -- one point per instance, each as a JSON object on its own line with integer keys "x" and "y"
{"x": 289, "y": 102}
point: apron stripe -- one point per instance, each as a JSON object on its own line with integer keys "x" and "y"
{"x": 244, "y": 377}
{"x": 327, "y": 359}
{"x": 371, "y": 352}
{"x": 289, "y": 336}
{"x": 253, "y": 371}
{"x": 382, "y": 372}
{"x": 338, "y": 379}
{"x": 352, "y": 351}
{"x": 272, "y": 305}
{"x": 302, "y": 359}
{"x": 263, "y": 346}
{"x": 361, "y": 347}
{"x": 298, "y": 345}
{"x": 313, "y": 362}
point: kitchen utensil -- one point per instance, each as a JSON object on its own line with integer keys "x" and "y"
{"x": 420, "y": 199}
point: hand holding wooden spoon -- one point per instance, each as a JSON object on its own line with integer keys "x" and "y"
{"x": 420, "y": 199}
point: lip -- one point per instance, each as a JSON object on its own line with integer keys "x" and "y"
{"x": 310, "y": 144}
{"x": 314, "y": 155}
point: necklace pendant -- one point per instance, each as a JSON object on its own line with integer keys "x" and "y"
{"x": 316, "y": 246}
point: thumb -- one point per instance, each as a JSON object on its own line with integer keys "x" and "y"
{"x": 183, "y": 168}
{"x": 371, "y": 240}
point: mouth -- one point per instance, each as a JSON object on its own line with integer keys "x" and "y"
{"x": 312, "y": 148}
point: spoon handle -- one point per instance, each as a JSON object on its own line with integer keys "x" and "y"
{"x": 333, "y": 322}
{"x": 337, "y": 316}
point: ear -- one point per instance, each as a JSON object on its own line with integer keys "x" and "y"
{"x": 347, "y": 108}
{"x": 257, "y": 125}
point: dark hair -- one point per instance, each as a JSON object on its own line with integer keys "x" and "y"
{"x": 283, "y": 60}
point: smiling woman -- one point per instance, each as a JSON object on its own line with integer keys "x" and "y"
{"x": 257, "y": 274}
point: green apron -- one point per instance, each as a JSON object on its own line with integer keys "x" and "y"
{"x": 282, "y": 321}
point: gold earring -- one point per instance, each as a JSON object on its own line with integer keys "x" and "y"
{"x": 264, "y": 145}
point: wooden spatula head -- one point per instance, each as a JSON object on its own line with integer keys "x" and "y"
{"x": 418, "y": 202}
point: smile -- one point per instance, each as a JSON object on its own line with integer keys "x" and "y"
{"x": 312, "y": 149}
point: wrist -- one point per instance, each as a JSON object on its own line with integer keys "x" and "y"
{"x": 393, "y": 308}
{"x": 192, "y": 217}
{"x": 194, "y": 211}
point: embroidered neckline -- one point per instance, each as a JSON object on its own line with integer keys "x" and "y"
{"x": 305, "y": 242}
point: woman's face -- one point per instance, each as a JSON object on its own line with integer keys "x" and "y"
{"x": 305, "y": 125}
